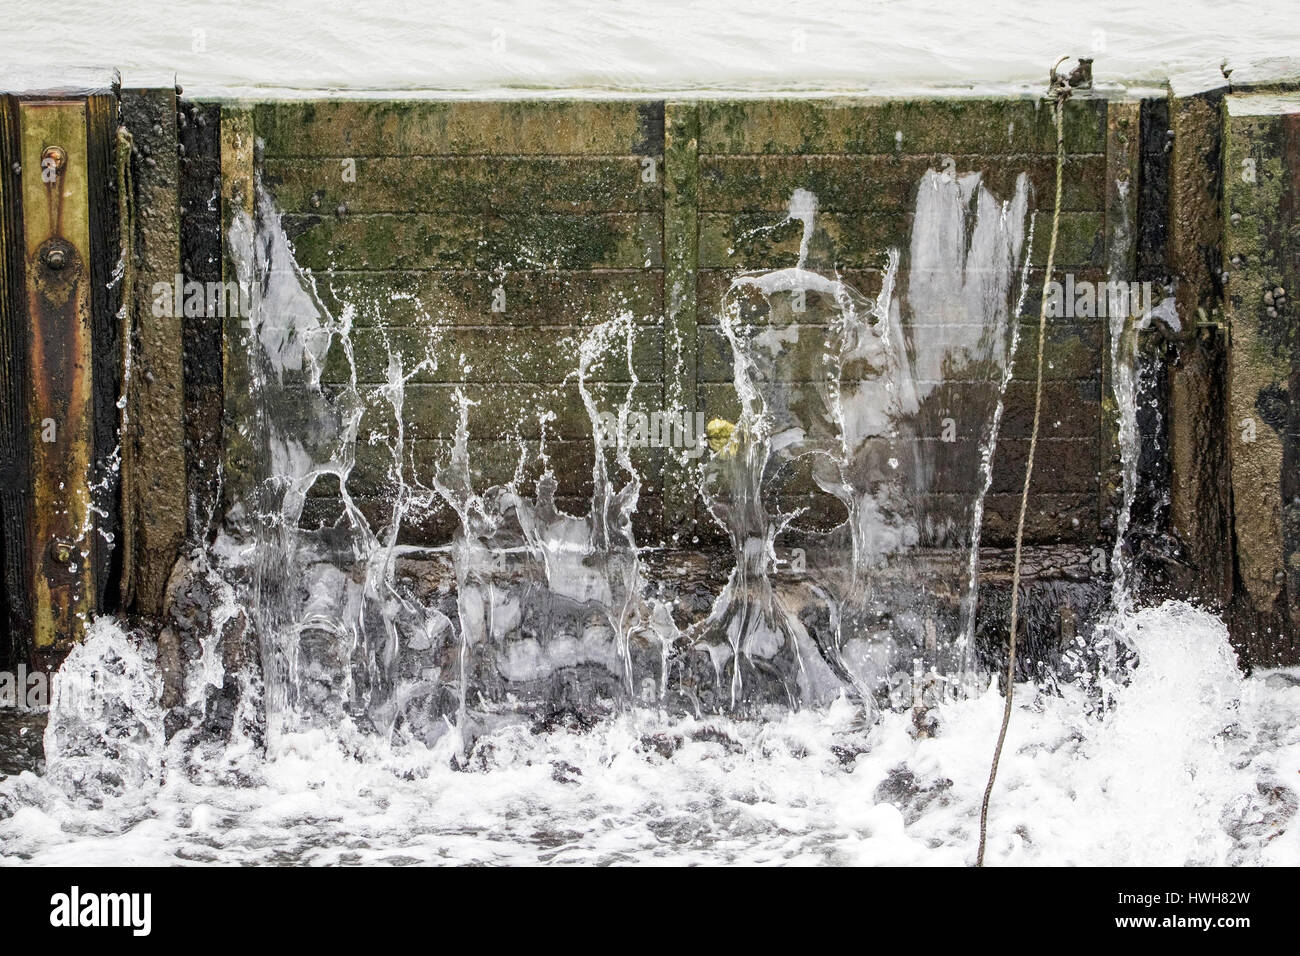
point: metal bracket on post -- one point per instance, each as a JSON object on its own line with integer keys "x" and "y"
{"x": 60, "y": 397}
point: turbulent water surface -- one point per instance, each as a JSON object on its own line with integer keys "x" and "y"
{"x": 545, "y": 705}
{"x": 1192, "y": 764}
{"x": 368, "y": 722}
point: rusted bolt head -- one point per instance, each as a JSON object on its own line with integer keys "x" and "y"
{"x": 56, "y": 153}
{"x": 55, "y": 258}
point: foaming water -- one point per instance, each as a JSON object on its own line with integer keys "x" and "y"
{"x": 105, "y": 734}
{"x": 1193, "y": 765}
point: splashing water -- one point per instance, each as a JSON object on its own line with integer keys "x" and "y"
{"x": 841, "y": 397}
{"x": 105, "y": 734}
{"x": 327, "y": 610}
{"x": 403, "y": 724}
{"x": 1194, "y": 765}
{"x": 551, "y": 604}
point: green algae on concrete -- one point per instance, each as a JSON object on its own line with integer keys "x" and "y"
{"x": 949, "y": 126}
{"x": 497, "y": 354}
{"x": 524, "y": 298}
{"x": 486, "y": 185}
{"x": 237, "y": 195}
{"x": 423, "y": 214}
{"x": 362, "y": 127}
{"x": 401, "y": 241}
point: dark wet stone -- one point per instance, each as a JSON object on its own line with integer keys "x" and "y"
{"x": 1282, "y": 679}
{"x": 170, "y": 668}
{"x": 580, "y": 721}
{"x": 679, "y": 830}
{"x": 563, "y": 772}
{"x": 665, "y": 745}
{"x": 1264, "y": 816}
{"x": 22, "y": 741}
{"x": 177, "y": 720}
{"x": 711, "y": 735}
{"x": 925, "y": 722}
{"x": 902, "y": 790}
{"x": 847, "y": 756}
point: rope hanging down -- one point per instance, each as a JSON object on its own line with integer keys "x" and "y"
{"x": 126, "y": 226}
{"x": 1058, "y": 89}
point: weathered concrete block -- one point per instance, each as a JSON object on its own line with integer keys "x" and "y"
{"x": 342, "y": 128}
{"x": 461, "y": 241}
{"x": 485, "y": 185}
{"x": 237, "y": 195}
{"x": 949, "y": 126}
{"x": 1262, "y": 245}
{"x": 1200, "y": 506}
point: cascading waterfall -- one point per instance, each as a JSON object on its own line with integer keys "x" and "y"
{"x": 551, "y": 604}
{"x": 840, "y": 493}
{"x": 1128, "y": 311}
{"x": 1122, "y": 326}
{"x": 328, "y": 614}
{"x": 839, "y": 391}
{"x": 861, "y": 420}
{"x": 967, "y": 282}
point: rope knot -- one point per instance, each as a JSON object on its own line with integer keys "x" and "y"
{"x": 1060, "y": 86}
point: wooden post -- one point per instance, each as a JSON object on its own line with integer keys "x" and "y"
{"x": 15, "y": 464}
{"x": 60, "y": 394}
{"x": 153, "y": 494}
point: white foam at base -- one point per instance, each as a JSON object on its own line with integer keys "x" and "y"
{"x": 1193, "y": 764}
